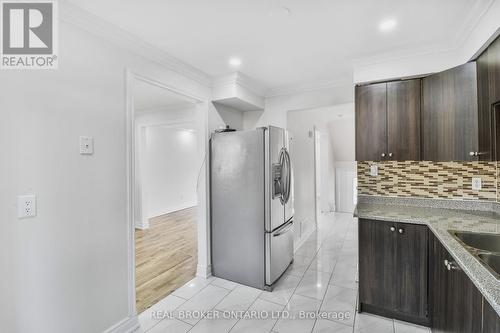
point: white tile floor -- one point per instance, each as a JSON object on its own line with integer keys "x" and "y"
{"x": 322, "y": 277}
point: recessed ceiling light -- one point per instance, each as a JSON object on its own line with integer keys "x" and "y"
{"x": 235, "y": 62}
{"x": 387, "y": 25}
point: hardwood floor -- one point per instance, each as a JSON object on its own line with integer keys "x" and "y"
{"x": 166, "y": 256}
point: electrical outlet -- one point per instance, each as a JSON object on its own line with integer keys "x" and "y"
{"x": 477, "y": 184}
{"x": 26, "y": 206}
{"x": 373, "y": 170}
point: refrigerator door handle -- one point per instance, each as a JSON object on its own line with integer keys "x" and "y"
{"x": 286, "y": 228}
{"x": 283, "y": 175}
{"x": 288, "y": 176}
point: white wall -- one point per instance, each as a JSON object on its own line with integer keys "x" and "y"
{"x": 302, "y": 156}
{"x": 230, "y": 116}
{"x": 325, "y": 174}
{"x": 276, "y": 107}
{"x": 66, "y": 269}
{"x": 170, "y": 170}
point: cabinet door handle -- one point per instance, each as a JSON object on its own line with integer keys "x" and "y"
{"x": 393, "y": 229}
{"x": 453, "y": 266}
{"x": 383, "y": 154}
{"x": 473, "y": 153}
{"x": 390, "y": 154}
{"x": 400, "y": 230}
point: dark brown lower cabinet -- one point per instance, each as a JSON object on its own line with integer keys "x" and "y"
{"x": 456, "y": 303}
{"x": 491, "y": 320}
{"x": 393, "y": 271}
{"x": 406, "y": 273}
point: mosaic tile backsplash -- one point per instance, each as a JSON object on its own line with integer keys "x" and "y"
{"x": 424, "y": 179}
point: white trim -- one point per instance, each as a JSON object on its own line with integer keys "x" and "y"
{"x": 173, "y": 209}
{"x": 486, "y": 45}
{"x": 204, "y": 271}
{"x": 127, "y": 325}
{"x": 195, "y": 99}
{"x": 130, "y": 142}
{"x": 130, "y": 77}
{"x": 240, "y": 79}
{"x": 303, "y": 239}
{"x": 77, "y": 16}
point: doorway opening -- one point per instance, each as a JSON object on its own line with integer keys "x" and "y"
{"x": 166, "y": 172}
{"x": 322, "y": 152}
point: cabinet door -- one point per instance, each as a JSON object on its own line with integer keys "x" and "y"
{"x": 494, "y": 71}
{"x": 491, "y": 320}
{"x": 488, "y": 85}
{"x": 403, "y": 120}
{"x": 456, "y": 302}
{"x": 466, "y": 301}
{"x": 484, "y": 108}
{"x": 450, "y": 114}
{"x": 412, "y": 274}
{"x": 377, "y": 264}
{"x": 439, "y": 282}
{"x": 371, "y": 122}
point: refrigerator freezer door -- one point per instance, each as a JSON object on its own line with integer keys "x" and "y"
{"x": 279, "y": 251}
{"x": 275, "y": 141}
{"x": 289, "y": 208}
{"x": 237, "y": 206}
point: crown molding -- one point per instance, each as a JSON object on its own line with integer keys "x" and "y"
{"x": 79, "y": 17}
{"x": 239, "y": 79}
{"x": 478, "y": 11}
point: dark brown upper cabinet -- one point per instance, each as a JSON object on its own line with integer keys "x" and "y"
{"x": 450, "y": 115}
{"x": 371, "y": 122}
{"x": 488, "y": 73}
{"x": 388, "y": 121}
{"x": 403, "y": 120}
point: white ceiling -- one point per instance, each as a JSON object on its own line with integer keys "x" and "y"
{"x": 149, "y": 97}
{"x": 318, "y": 41}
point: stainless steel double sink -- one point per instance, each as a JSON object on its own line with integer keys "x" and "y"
{"x": 484, "y": 246}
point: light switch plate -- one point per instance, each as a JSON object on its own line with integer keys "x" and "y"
{"x": 373, "y": 170}
{"x": 26, "y": 206}
{"x": 86, "y": 145}
{"x": 477, "y": 184}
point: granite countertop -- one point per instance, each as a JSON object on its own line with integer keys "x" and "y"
{"x": 439, "y": 221}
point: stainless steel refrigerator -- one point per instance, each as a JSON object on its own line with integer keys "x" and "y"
{"x": 251, "y": 206}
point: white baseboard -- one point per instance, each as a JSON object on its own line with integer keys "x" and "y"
{"x": 126, "y": 325}
{"x": 173, "y": 209}
{"x": 142, "y": 225}
{"x": 303, "y": 239}
{"x": 204, "y": 271}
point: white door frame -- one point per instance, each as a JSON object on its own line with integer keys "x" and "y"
{"x": 317, "y": 175}
{"x": 203, "y": 268}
